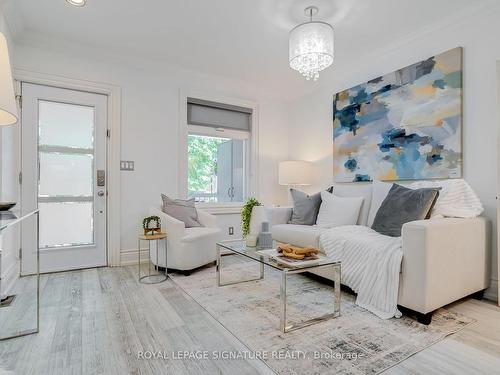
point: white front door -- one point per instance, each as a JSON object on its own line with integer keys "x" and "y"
{"x": 64, "y": 175}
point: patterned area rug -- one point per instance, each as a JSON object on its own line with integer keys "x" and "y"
{"x": 357, "y": 342}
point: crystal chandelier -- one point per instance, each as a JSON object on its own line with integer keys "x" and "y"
{"x": 311, "y": 46}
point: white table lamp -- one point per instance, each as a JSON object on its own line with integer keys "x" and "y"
{"x": 294, "y": 173}
{"x": 8, "y": 107}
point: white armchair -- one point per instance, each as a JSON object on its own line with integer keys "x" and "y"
{"x": 188, "y": 248}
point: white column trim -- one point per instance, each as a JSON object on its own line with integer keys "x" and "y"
{"x": 113, "y": 149}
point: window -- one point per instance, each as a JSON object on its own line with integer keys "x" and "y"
{"x": 218, "y": 151}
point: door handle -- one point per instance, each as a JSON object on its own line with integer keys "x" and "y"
{"x": 100, "y": 193}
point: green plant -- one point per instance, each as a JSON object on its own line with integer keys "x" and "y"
{"x": 149, "y": 219}
{"x": 246, "y": 214}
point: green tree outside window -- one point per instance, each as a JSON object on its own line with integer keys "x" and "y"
{"x": 202, "y": 162}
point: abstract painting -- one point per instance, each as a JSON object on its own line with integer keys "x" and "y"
{"x": 405, "y": 125}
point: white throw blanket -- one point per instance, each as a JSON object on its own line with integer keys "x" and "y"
{"x": 456, "y": 198}
{"x": 371, "y": 263}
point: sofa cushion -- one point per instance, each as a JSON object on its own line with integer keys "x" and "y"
{"x": 305, "y": 207}
{"x": 401, "y": 206}
{"x": 357, "y": 189}
{"x": 379, "y": 192}
{"x": 336, "y": 211}
{"x": 298, "y": 235}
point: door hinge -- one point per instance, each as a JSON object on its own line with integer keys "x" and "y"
{"x": 108, "y": 133}
{"x": 20, "y": 178}
{"x": 20, "y": 253}
{"x": 19, "y": 100}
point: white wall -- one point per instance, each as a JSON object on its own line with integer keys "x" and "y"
{"x": 311, "y": 116}
{"x": 149, "y": 126}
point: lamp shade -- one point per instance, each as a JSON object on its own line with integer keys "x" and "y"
{"x": 8, "y": 107}
{"x": 294, "y": 172}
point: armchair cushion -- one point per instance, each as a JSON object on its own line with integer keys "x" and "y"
{"x": 182, "y": 210}
{"x": 173, "y": 227}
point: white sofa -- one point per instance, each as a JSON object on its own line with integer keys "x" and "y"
{"x": 188, "y": 248}
{"x": 444, "y": 259}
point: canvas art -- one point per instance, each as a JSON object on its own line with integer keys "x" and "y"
{"x": 405, "y": 125}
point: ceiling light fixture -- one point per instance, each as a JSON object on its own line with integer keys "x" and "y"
{"x": 77, "y": 3}
{"x": 311, "y": 46}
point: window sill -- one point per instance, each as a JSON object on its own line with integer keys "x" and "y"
{"x": 221, "y": 208}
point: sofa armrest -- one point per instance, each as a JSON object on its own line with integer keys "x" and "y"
{"x": 206, "y": 219}
{"x": 173, "y": 227}
{"x": 273, "y": 215}
{"x": 443, "y": 260}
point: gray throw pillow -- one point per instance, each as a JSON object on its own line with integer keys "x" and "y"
{"x": 305, "y": 207}
{"x": 182, "y": 210}
{"x": 402, "y": 205}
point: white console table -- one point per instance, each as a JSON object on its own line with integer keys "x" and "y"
{"x": 9, "y": 312}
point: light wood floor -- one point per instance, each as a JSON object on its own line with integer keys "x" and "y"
{"x": 97, "y": 321}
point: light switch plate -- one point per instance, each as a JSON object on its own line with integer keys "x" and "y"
{"x": 126, "y": 165}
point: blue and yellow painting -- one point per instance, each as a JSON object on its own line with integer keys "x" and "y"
{"x": 406, "y": 125}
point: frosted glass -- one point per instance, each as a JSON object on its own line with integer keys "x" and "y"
{"x": 65, "y": 174}
{"x": 68, "y": 125}
{"x": 65, "y": 224}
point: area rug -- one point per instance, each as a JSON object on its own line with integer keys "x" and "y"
{"x": 357, "y": 342}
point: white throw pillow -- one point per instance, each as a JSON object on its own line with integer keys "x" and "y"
{"x": 336, "y": 211}
{"x": 379, "y": 192}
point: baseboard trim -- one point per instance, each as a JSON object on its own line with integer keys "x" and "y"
{"x": 129, "y": 257}
{"x": 492, "y": 292}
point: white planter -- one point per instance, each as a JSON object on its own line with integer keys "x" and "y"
{"x": 251, "y": 240}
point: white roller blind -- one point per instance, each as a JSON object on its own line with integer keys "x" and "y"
{"x": 218, "y": 115}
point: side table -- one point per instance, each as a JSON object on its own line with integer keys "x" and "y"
{"x": 156, "y": 277}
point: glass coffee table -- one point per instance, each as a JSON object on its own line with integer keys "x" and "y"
{"x": 239, "y": 247}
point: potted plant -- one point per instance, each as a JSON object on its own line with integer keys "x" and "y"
{"x": 151, "y": 225}
{"x": 246, "y": 215}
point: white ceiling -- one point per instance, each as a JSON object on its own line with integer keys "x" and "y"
{"x": 243, "y": 39}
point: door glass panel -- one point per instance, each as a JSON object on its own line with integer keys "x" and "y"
{"x": 68, "y": 125}
{"x": 66, "y": 224}
{"x": 65, "y": 174}
{"x": 66, "y": 153}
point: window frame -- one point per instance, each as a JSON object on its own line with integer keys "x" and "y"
{"x": 230, "y": 134}
{"x": 251, "y": 186}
